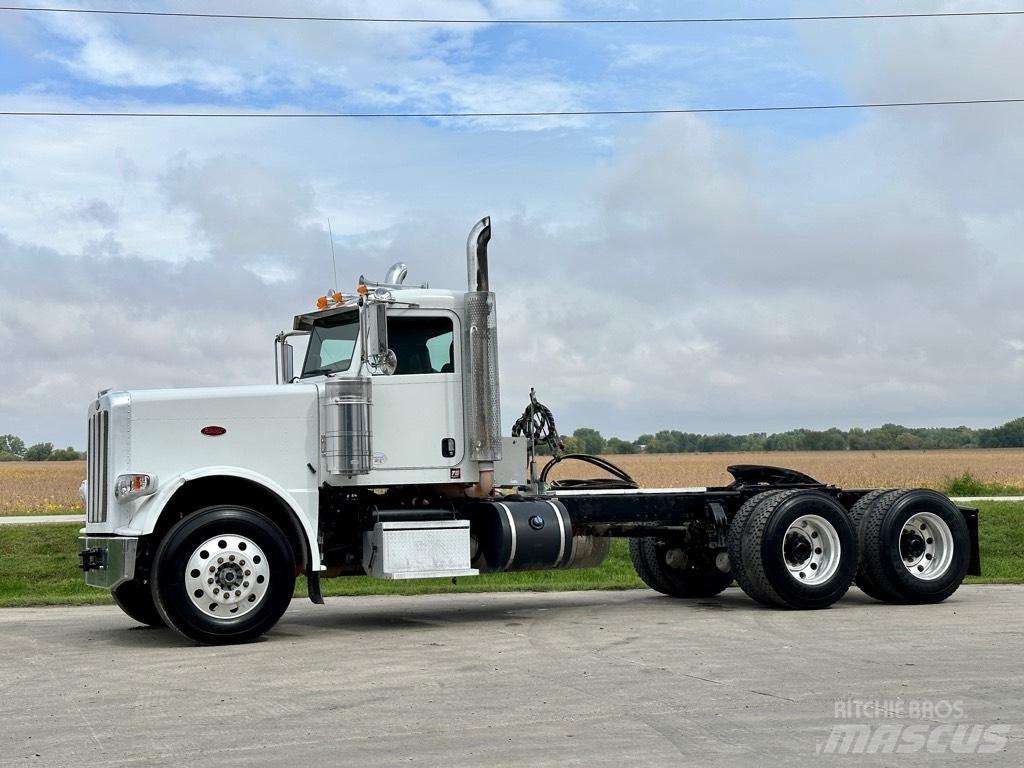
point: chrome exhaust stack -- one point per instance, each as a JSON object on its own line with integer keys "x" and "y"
{"x": 480, "y": 383}
{"x": 476, "y": 256}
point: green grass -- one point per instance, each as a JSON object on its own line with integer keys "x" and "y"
{"x": 38, "y": 566}
{"x": 47, "y": 511}
{"x": 1001, "y": 530}
{"x": 968, "y": 485}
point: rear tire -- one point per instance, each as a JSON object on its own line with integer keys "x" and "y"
{"x": 734, "y": 539}
{"x": 224, "y": 574}
{"x": 862, "y": 509}
{"x": 799, "y": 550}
{"x": 136, "y": 600}
{"x": 916, "y": 547}
{"x": 697, "y": 579}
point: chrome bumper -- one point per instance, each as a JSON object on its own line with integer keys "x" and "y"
{"x": 108, "y": 561}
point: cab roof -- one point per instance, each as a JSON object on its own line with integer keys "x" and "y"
{"x": 427, "y": 298}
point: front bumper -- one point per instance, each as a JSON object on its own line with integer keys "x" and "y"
{"x": 108, "y": 561}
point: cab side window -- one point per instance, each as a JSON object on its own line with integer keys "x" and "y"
{"x": 422, "y": 344}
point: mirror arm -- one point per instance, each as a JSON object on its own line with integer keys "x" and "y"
{"x": 280, "y": 345}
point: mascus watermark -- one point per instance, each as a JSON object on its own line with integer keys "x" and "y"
{"x": 868, "y": 729}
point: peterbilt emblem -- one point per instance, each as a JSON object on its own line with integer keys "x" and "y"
{"x": 213, "y": 431}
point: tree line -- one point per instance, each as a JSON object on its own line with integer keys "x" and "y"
{"x": 13, "y": 448}
{"x": 888, "y": 437}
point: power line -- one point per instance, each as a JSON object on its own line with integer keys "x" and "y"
{"x": 374, "y": 20}
{"x": 558, "y": 113}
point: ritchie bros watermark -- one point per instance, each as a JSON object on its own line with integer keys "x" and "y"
{"x": 906, "y": 726}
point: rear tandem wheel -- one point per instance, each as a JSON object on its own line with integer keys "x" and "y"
{"x": 915, "y": 547}
{"x": 794, "y": 549}
{"x": 668, "y": 569}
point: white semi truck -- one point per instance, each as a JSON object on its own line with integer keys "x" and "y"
{"x": 384, "y": 455}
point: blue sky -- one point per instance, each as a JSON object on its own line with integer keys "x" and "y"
{"x": 716, "y": 272}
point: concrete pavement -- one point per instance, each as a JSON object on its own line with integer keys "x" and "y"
{"x": 578, "y": 678}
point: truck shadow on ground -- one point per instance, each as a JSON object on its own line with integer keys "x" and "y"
{"x": 345, "y": 616}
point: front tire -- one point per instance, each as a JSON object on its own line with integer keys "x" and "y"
{"x": 224, "y": 574}
{"x": 136, "y": 600}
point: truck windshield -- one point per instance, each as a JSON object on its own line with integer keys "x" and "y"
{"x": 332, "y": 344}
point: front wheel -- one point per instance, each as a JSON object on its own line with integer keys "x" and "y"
{"x": 222, "y": 575}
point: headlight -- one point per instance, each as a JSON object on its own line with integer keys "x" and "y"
{"x": 132, "y": 486}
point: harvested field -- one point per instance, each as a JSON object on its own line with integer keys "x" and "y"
{"x": 851, "y": 469}
{"x": 40, "y": 487}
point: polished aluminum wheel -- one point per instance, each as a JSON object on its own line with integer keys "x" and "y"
{"x": 227, "y": 576}
{"x": 926, "y": 546}
{"x": 811, "y": 549}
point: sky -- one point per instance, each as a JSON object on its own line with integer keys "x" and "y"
{"x": 708, "y": 273}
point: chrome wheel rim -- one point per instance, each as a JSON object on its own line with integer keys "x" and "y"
{"x": 926, "y": 546}
{"x": 227, "y": 576}
{"x": 811, "y": 549}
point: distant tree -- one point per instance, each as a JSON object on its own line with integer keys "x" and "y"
{"x": 39, "y": 452}
{"x": 785, "y": 441}
{"x": 572, "y": 445}
{"x": 615, "y": 445}
{"x": 906, "y": 441}
{"x": 12, "y": 444}
{"x": 643, "y": 442}
{"x": 888, "y": 437}
{"x": 8, "y": 456}
{"x": 66, "y": 454}
{"x": 589, "y": 441}
{"x": 1010, "y": 435}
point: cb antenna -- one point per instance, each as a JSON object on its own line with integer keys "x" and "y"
{"x": 334, "y": 261}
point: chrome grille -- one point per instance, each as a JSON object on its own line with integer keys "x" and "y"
{"x": 96, "y": 467}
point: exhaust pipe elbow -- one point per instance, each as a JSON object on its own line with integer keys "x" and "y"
{"x": 396, "y": 275}
{"x": 476, "y": 255}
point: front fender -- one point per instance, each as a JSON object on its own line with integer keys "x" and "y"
{"x": 303, "y": 503}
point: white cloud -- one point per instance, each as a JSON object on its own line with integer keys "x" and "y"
{"x": 679, "y": 272}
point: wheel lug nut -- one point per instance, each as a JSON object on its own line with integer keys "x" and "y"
{"x": 216, "y": 590}
{"x": 248, "y": 573}
{"x": 212, "y": 569}
{"x": 231, "y": 557}
{"x": 245, "y": 584}
{"x": 220, "y": 559}
{"x": 209, "y": 581}
{"x": 238, "y": 593}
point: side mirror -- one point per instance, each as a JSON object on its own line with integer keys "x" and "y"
{"x": 379, "y": 358}
{"x": 287, "y": 358}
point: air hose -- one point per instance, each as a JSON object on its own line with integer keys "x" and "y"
{"x": 620, "y": 478}
{"x": 538, "y": 424}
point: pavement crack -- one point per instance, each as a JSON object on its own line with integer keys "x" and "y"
{"x": 773, "y": 696}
